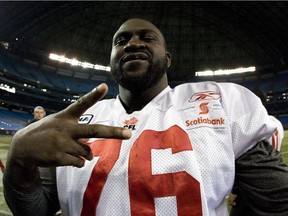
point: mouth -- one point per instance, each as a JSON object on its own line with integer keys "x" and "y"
{"x": 134, "y": 56}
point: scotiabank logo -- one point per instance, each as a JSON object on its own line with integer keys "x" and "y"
{"x": 207, "y": 121}
{"x": 204, "y": 108}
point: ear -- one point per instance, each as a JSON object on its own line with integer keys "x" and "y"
{"x": 168, "y": 57}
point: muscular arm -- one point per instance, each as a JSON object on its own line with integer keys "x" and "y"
{"x": 262, "y": 180}
{"x": 50, "y": 142}
{"x": 39, "y": 199}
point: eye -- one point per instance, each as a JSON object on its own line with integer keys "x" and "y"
{"x": 148, "y": 38}
{"x": 120, "y": 41}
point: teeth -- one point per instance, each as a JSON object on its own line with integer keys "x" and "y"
{"x": 135, "y": 56}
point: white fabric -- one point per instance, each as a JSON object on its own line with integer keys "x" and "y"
{"x": 278, "y": 135}
{"x": 180, "y": 159}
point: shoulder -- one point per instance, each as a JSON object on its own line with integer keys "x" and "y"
{"x": 221, "y": 87}
{"x": 186, "y": 95}
{"x": 231, "y": 95}
{"x": 209, "y": 90}
{"x": 99, "y": 110}
{"x": 100, "y": 105}
{"x": 276, "y": 122}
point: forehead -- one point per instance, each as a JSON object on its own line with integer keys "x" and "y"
{"x": 137, "y": 25}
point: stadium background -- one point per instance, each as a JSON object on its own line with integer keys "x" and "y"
{"x": 200, "y": 36}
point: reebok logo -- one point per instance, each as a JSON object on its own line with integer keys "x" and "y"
{"x": 85, "y": 119}
{"x": 208, "y": 95}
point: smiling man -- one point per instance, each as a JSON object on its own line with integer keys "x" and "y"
{"x": 142, "y": 156}
{"x": 139, "y": 62}
{"x": 139, "y": 55}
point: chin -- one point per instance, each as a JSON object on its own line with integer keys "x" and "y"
{"x": 138, "y": 78}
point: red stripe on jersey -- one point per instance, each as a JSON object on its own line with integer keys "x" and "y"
{"x": 275, "y": 139}
{"x": 108, "y": 150}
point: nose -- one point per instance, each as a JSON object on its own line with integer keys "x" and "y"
{"x": 134, "y": 43}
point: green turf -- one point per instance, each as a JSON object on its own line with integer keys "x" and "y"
{"x": 3, "y": 205}
{"x": 284, "y": 147}
{"x": 4, "y": 145}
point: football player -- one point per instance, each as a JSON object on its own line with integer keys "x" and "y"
{"x": 152, "y": 150}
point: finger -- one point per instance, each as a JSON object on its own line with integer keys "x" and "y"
{"x": 78, "y": 149}
{"x": 83, "y": 140}
{"x": 82, "y": 104}
{"x": 83, "y": 150}
{"x": 100, "y": 131}
{"x": 72, "y": 160}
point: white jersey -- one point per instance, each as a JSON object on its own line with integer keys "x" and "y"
{"x": 277, "y": 137}
{"x": 179, "y": 160}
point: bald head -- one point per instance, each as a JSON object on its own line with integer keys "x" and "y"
{"x": 137, "y": 24}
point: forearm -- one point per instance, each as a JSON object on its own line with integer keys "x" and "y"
{"x": 36, "y": 199}
{"x": 19, "y": 170}
{"x": 23, "y": 189}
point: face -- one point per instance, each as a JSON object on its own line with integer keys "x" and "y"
{"x": 139, "y": 58}
{"x": 39, "y": 114}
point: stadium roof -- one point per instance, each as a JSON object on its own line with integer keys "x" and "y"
{"x": 200, "y": 35}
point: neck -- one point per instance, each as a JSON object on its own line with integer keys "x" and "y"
{"x": 137, "y": 100}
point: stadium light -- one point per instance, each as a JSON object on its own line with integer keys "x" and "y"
{"x": 87, "y": 65}
{"x": 75, "y": 62}
{"x": 225, "y": 72}
{"x": 7, "y": 88}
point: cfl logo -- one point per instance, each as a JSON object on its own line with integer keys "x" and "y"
{"x": 131, "y": 127}
{"x": 204, "y": 108}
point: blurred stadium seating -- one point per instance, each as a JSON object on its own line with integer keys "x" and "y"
{"x": 48, "y": 86}
{"x": 11, "y": 121}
